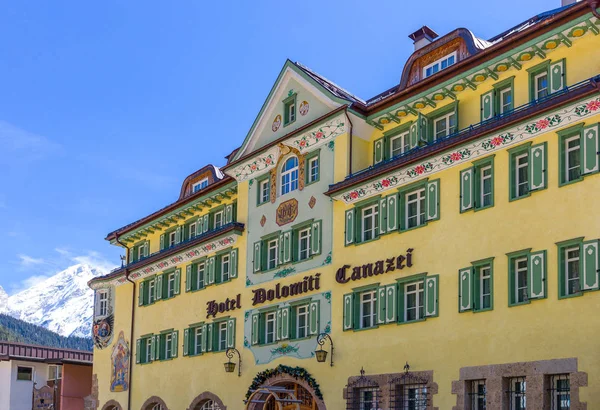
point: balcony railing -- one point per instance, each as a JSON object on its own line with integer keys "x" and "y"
{"x": 493, "y": 122}
{"x": 196, "y": 239}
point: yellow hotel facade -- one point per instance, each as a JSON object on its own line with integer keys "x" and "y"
{"x": 440, "y": 241}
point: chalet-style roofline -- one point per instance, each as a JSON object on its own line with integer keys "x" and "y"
{"x": 37, "y": 353}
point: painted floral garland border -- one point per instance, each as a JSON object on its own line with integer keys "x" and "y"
{"x": 481, "y": 147}
{"x": 304, "y": 142}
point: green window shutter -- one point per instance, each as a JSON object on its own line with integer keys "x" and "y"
{"x": 378, "y": 151}
{"x": 158, "y": 288}
{"x": 315, "y": 238}
{"x": 348, "y": 314}
{"x": 178, "y": 235}
{"x": 591, "y": 264}
{"x": 281, "y": 249}
{"x": 205, "y": 223}
{"x": 467, "y": 188}
{"x": 537, "y": 166}
{"x": 233, "y": 263}
{"x": 132, "y": 254}
{"x": 287, "y": 246}
{"x": 382, "y": 215}
{"x": 210, "y": 264}
{"x": 209, "y": 337}
{"x": 174, "y": 344}
{"x": 255, "y": 328}
{"x": 229, "y": 213}
{"x": 257, "y": 256}
{"x": 487, "y": 105}
{"x": 138, "y": 351}
{"x": 557, "y": 76}
{"x": 162, "y": 242}
{"x": 230, "y": 333}
{"x": 186, "y": 342}
{"x": 204, "y": 337}
{"x": 199, "y": 226}
{"x": 591, "y": 149}
{"x": 391, "y": 300}
{"x": 422, "y": 129}
{"x": 400, "y": 299}
{"x": 537, "y": 275}
{"x": 392, "y": 212}
{"x": 146, "y": 249}
{"x": 278, "y": 325}
{"x": 431, "y": 296}
{"x": 433, "y": 200}
{"x": 283, "y": 316}
{"x": 349, "y": 232}
{"x": 381, "y": 293}
{"x": 313, "y": 317}
{"x": 177, "y": 281}
{"x": 414, "y": 134}
{"x": 141, "y": 293}
{"x": 465, "y": 289}
{"x": 188, "y": 278}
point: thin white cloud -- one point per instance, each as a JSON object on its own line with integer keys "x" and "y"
{"x": 27, "y": 261}
{"x": 20, "y": 147}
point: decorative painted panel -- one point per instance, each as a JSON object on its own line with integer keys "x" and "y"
{"x": 119, "y": 379}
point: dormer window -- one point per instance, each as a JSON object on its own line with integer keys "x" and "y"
{"x": 200, "y": 185}
{"x": 289, "y": 175}
{"x": 439, "y": 65}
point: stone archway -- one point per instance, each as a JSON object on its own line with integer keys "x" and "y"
{"x": 112, "y": 405}
{"x": 154, "y": 403}
{"x": 285, "y": 379}
{"x": 204, "y": 398}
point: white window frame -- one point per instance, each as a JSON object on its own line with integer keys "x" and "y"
{"x": 485, "y": 272}
{"x": 419, "y": 291}
{"x": 447, "y": 131}
{"x": 374, "y": 216}
{"x": 502, "y": 93}
{"x": 270, "y": 336}
{"x": 222, "y": 337}
{"x": 368, "y": 298}
{"x": 535, "y": 85}
{"x": 404, "y": 146}
{"x": 170, "y": 285}
{"x": 304, "y": 235}
{"x": 102, "y": 303}
{"x": 225, "y": 263}
{"x": 313, "y": 169}
{"x": 264, "y": 188}
{"x": 567, "y": 275}
{"x": 54, "y": 372}
{"x": 192, "y": 227}
{"x": 419, "y": 199}
{"x": 200, "y": 275}
{"x": 218, "y": 219}
{"x": 272, "y": 245}
{"x": 151, "y": 291}
{"x": 521, "y": 270}
{"x": 198, "y": 340}
{"x": 439, "y": 62}
{"x": 518, "y": 181}
{"x": 200, "y": 185}
{"x": 172, "y": 237}
{"x": 482, "y": 179}
{"x": 140, "y": 252}
{"x": 302, "y": 311}
{"x": 291, "y": 184}
{"x": 168, "y": 345}
{"x": 521, "y": 394}
{"x": 291, "y": 108}
{"x": 148, "y": 350}
{"x": 568, "y": 150}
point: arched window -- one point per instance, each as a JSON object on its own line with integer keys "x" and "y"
{"x": 208, "y": 405}
{"x": 289, "y": 175}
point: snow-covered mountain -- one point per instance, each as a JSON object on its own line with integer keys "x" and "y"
{"x": 62, "y": 303}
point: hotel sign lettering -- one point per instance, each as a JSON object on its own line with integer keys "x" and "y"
{"x": 286, "y": 212}
{"x": 308, "y": 284}
{"x": 344, "y": 275}
{"x": 212, "y": 307}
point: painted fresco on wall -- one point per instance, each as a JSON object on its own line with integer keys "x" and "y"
{"x": 301, "y": 348}
{"x": 102, "y": 331}
{"x": 119, "y": 379}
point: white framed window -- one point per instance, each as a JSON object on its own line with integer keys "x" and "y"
{"x": 225, "y": 267}
{"x": 171, "y": 239}
{"x": 439, "y": 65}
{"x": 572, "y": 158}
{"x": 265, "y": 191}
{"x": 485, "y": 188}
{"x": 478, "y": 395}
{"x": 517, "y": 393}
{"x": 200, "y": 185}
{"x": 192, "y": 230}
{"x": 148, "y": 350}
{"x": 367, "y": 309}
{"x": 25, "y": 373}
{"x": 414, "y": 308}
{"x": 291, "y": 112}
{"x": 399, "y": 144}
{"x": 168, "y": 345}
{"x": 540, "y": 84}
{"x": 102, "y": 303}
{"x": 521, "y": 279}
{"x": 444, "y": 125}
{"x": 369, "y": 222}
{"x": 560, "y": 392}
{"x": 140, "y": 252}
{"x": 218, "y": 219}
{"x": 198, "y": 340}
{"x": 304, "y": 244}
{"x": 415, "y": 208}
{"x": 301, "y": 321}
{"x": 313, "y": 169}
{"x": 222, "y": 335}
{"x": 572, "y": 272}
{"x": 151, "y": 290}
{"x": 485, "y": 285}
{"x": 170, "y": 285}
{"x": 272, "y": 253}
{"x": 270, "y": 325}
{"x": 201, "y": 272}
{"x": 505, "y": 100}
{"x": 54, "y": 372}
{"x": 522, "y": 174}
{"x": 289, "y": 175}
{"x": 369, "y": 399}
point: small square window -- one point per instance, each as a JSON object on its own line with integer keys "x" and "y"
{"x": 200, "y": 185}
{"x": 264, "y": 191}
{"x": 399, "y": 144}
{"x": 24, "y": 373}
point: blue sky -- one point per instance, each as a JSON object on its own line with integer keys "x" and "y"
{"x": 107, "y": 106}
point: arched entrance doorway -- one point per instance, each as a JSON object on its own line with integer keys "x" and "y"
{"x": 282, "y": 396}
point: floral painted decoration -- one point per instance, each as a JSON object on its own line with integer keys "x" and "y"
{"x": 284, "y": 349}
{"x": 276, "y": 123}
{"x": 304, "y": 107}
{"x": 419, "y": 169}
{"x": 495, "y": 142}
{"x": 456, "y": 156}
